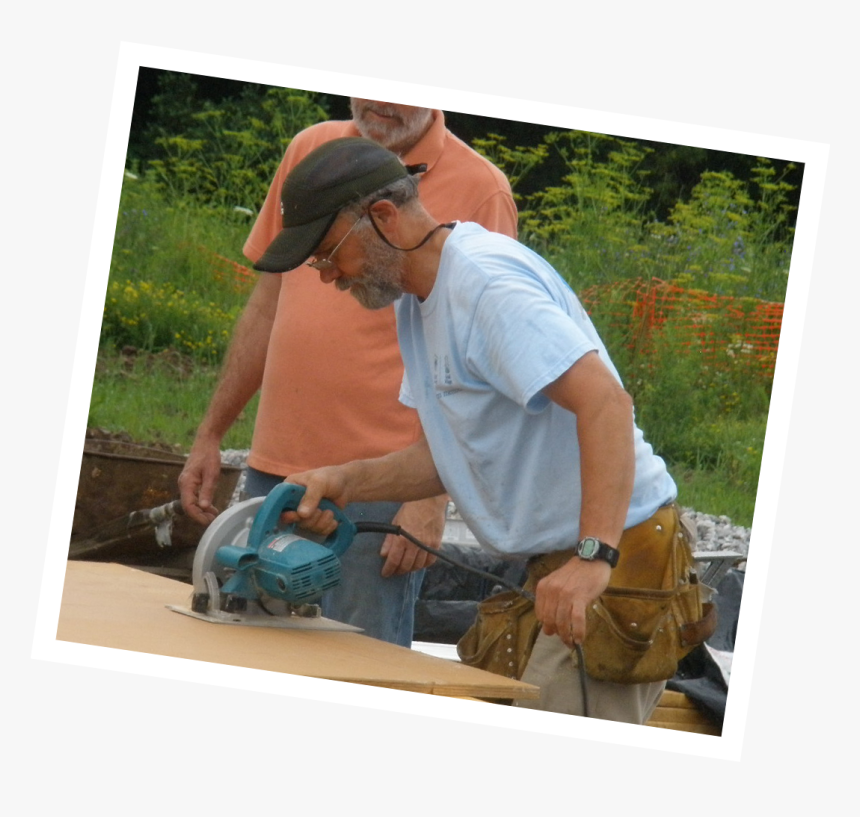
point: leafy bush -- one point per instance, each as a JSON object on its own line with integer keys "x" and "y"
{"x": 183, "y": 211}
{"x": 226, "y": 155}
{"x": 596, "y": 226}
{"x": 727, "y": 241}
{"x": 516, "y": 163}
{"x": 600, "y": 200}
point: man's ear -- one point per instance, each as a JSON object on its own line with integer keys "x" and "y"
{"x": 385, "y": 214}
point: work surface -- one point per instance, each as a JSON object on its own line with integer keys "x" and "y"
{"x": 109, "y": 605}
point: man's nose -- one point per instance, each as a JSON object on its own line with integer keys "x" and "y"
{"x": 329, "y": 275}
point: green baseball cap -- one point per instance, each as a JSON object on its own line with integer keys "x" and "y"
{"x": 329, "y": 178}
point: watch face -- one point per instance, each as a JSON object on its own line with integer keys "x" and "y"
{"x": 588, "y": 548}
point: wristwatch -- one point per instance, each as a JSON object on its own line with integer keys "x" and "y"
{"x": 591, "y": 548}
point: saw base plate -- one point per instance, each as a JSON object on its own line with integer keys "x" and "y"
{"x": 292, "y": 622}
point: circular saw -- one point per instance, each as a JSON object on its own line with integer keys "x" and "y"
{"x": 252, "y": 568}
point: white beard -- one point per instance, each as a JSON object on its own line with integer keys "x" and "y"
{"x": 380, "y": 282}
{"x": 398, "y": 135}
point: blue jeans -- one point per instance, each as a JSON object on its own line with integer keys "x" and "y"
{"x": 383, "y": 608}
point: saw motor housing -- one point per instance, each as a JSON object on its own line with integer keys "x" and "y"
{"x": 248, "y": 558}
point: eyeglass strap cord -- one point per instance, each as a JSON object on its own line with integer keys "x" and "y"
{"x": 449, "y": 226}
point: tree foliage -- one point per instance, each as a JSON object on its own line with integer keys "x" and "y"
{"x": 223, "y": 153}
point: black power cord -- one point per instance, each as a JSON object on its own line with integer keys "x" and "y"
{"x": 396, "y": 530}
{"x": 381, "y": 527}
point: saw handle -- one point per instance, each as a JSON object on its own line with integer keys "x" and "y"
{"x": 286, "y": 497}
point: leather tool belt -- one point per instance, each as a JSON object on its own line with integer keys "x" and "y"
{"x": 653, "y": 612}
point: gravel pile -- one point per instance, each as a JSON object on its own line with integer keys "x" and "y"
{"x": 718, "y": 533}
{"x": 714, "y": 532}
{"x": 236, "y": 458}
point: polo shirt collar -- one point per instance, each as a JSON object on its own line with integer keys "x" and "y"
{"x": 430, "y": 146}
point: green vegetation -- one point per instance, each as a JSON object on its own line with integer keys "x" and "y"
{"x": 174, "y": 293}
{"x": 597, "y": 226}
{"x": 223, "y": 155}
{"x": 706, "y": 417}
{"x": 166, "y": 289}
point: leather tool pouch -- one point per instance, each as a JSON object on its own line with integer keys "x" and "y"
{"x": 651, "y": 615}
{"x": 502, "y": 636}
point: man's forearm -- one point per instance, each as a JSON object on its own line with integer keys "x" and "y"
{"x": 607, "y": 466}
{"x": 402, "y": 476}
{"x": 242, "y": 372}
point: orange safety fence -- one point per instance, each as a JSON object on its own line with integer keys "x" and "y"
{"x": 714, "y": 326}
{"x": 225, "y": 268}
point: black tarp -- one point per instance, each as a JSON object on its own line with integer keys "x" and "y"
{"x": 700, "y": 676}
{"x": 449, "y": 596}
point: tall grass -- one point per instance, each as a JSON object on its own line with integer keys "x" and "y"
{"x": 159, "y": 398}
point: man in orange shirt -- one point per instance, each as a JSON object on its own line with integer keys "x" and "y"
{"x": 297, "y": 337}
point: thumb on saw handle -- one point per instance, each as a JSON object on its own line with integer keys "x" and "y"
{"x": 325, "y": 491}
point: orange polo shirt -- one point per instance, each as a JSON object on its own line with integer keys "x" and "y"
{"x": 333, "y": 370}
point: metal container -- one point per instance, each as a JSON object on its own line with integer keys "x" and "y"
{"x": 118, "y": 478}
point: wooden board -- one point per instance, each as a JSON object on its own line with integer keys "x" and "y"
{"x": 677, "y": 711}
{"x": 110, "y": 605}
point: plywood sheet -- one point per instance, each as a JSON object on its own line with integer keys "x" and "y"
{"x": 111, "y": 605}
{"x": 677, "y": 711}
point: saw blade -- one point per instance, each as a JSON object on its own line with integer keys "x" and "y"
{"x": 228, "y": 528}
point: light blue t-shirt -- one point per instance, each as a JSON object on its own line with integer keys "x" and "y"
{"x": 499, "y": 326}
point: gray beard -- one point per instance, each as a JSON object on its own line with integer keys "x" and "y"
{"x": 371, "y": 294}
{"x": 396, "y": 138}
{"x": 380, "y": 282}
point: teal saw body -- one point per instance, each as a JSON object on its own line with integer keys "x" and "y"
{"x": 250, "y": 568}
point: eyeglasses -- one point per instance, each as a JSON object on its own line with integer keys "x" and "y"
{"x": 326, "y": 263}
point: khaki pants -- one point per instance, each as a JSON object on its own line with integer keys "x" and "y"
{"x": 555, "y": 669}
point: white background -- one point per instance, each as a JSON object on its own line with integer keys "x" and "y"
{"x": 137, "y": 736}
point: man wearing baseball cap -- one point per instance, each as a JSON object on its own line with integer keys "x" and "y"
{"x": 339, "y": 173}
{"x": 329, "y": 371}
{"x": 525, "y": 421}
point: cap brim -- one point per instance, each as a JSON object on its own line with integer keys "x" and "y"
{"x": 294, "y": 245}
